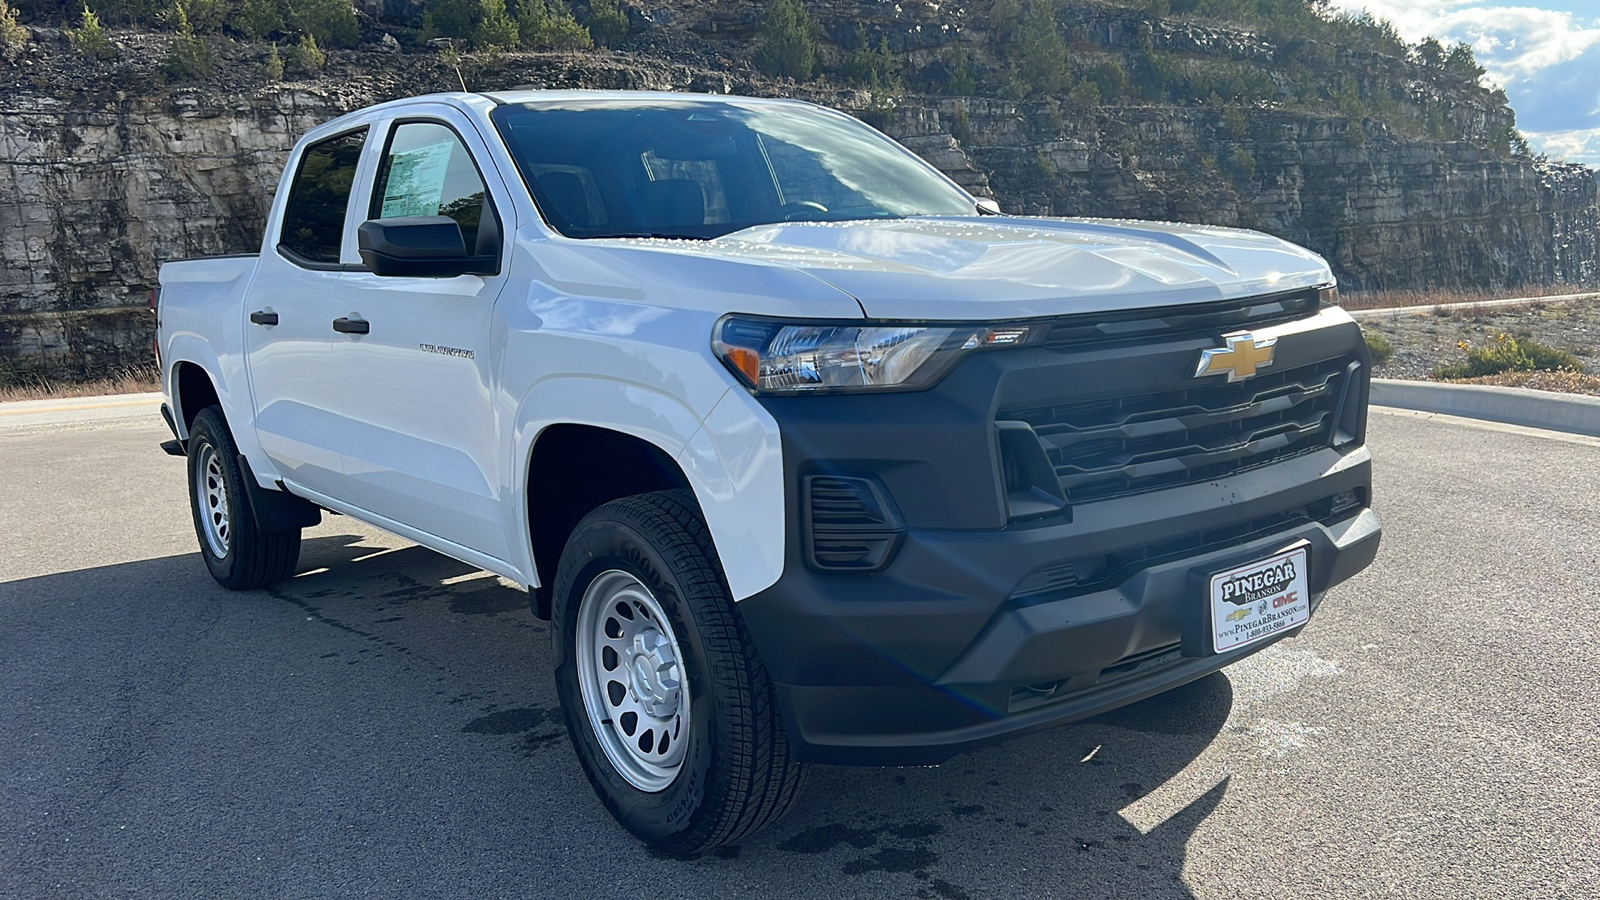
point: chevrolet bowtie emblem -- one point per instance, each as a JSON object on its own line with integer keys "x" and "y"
{"x": 1244, "y": 354}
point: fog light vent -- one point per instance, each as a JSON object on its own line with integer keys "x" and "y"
{"x": 849, "y": 524}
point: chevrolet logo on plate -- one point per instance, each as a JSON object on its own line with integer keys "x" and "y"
{"x": 1244, "y": 354}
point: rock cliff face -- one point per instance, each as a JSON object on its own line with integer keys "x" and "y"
{"x": 106, "y": 170}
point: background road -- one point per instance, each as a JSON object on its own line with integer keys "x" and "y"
{"x": 385, "y": 723}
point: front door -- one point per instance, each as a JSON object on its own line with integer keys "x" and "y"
{"x": 418, "y": 385}
{"x": 288, "y": 316}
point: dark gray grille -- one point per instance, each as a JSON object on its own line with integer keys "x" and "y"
{"x": 1109, "y": 448}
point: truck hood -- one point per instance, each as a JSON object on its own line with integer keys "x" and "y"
{"x": 1012, "y": 267}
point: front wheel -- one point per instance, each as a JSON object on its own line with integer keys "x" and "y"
{"x": 673, "y": 717}
{"x": 239, "y": 555}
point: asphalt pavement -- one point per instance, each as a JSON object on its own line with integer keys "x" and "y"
{"x": 385, "y": 725}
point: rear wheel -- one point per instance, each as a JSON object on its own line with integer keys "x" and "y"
{"x": 672, "y": 715}
{"x": 239, "y": 555}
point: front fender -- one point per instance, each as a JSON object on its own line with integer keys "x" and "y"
{"x": 730, "y": 458}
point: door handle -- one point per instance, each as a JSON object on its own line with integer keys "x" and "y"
{"x": 262, "y": 317}
{"x": 351, "y": 326}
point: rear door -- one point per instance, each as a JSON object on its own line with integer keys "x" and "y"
{"x": 289, "y": 315}
{"x": 419, "y": 385}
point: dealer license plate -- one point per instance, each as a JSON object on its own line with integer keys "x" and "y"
{"x": 1255, "y": 601}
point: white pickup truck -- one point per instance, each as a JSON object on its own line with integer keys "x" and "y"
{"x": 808, "y": 454}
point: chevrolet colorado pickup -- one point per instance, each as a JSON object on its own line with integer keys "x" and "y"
{"x": 807, "y": 454}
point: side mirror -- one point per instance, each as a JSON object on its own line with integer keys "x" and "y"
{"x": 419, "y": 247}
{"x": 988, "y": 206}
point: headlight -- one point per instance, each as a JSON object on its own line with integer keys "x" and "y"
{"x": 791, "y": 357}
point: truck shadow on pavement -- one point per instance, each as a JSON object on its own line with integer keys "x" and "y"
{"x": 1103, "y": 808}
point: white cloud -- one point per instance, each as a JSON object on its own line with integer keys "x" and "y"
{"x": 1572, "y": 146}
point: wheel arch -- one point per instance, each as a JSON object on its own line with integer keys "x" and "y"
{"x": 557, "y": 501}
{"x": 192, "y": 390}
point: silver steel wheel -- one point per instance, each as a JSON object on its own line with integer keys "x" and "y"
{"x": 630, "y": 669}
{"x": 211, "y": 492}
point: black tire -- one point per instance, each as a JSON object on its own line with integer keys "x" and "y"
{"x": 250, "y": 558}
{"x": 737, "y": 774}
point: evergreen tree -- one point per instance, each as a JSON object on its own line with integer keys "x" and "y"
{"x": 788, "y": 41}
{"x": 89, "y": 38}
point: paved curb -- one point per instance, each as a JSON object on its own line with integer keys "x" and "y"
{"x": 1574, "y": 413}
{"x": 1394, "y": 312}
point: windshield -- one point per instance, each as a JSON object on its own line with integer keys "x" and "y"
{"x": 702, "y": 169}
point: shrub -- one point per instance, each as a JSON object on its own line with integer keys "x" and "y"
{"x": 331, "y": 22}
{"x": 1234, "y": 122}
{"x": 256, "y": 19}
{"x": 1509, "y": 354}
{"x": 89, "y": 38}
{"x": 606, "y": 22}
{"x": 788, "y": 41}
{"x": 273, "y": 67}
{"x": 960, "y": 125}
{"x": 203, "y": 16}
{"x": 306, "y": 57}
{"x": 550, "y": 26}
{"x": 1111, "y": 78}
{"x": 11, "y": 34}
{"x": 450, "y": 19}
{"x": 188, "y": 56}
{"x": 961, "y": 81}
{"x": 1382, "y": 348}
{"x": 1242, "y": 164}
{"x": 1084, "y": 95}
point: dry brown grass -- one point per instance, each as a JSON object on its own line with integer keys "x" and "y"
{"x": 1397, "y": 299}
{"x": 132, "y": 380}
{"x": 1564, "y": 382}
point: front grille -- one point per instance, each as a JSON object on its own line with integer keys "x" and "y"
{"x": 1174, "y": 322}
{"x": 1126, "y": 445}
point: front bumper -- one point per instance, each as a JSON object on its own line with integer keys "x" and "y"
{"x": 912, "y": 666}
{"x": 970, "y": 634}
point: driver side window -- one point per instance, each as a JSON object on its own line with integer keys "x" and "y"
{"x": 427, "y": 171}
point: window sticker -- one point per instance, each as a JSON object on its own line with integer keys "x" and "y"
{"x": 416, "y": 180}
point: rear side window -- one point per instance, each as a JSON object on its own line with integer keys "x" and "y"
{"x": 427, "y": 171}
{"x": 313, "y": 219}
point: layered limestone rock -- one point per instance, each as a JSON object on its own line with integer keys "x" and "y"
{"x": 107, "y": 170}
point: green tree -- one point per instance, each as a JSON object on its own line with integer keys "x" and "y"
{"x": 961, "y": 81}
{"x": 257, "y": 19}
{"x": 788, "y": 41}
{"x": 867, "y": 65}
{"x": 1041, "y": 51}
{"x": 1234, "y": 121}
{"x": 1429, "y": 52}
{"x": 89, "y": 38}
{"x": 550, "y": 26}
{"x": 273, "y": 67}
{"x": 606, "y": 23}
{"x": 1463, "y": 64}
{"x": 188, "y": 56}
{"x": 331, "y": 22}
{"x": 11, "y": 34}
{"x": 306, "y": 57}
{"x": 451, "y": 19}
{"x": 496, "y": 28}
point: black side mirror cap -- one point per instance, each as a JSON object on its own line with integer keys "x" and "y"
{"x": 420, "y": 247}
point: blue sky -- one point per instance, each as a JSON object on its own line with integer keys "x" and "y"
{"x": 1545, "y": 53}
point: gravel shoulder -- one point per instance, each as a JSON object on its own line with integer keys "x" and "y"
{"x": 1424, "y": 341}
